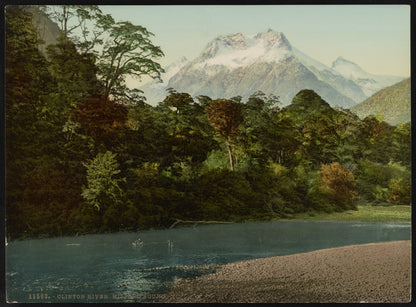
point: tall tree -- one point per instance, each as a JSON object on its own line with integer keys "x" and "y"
{"x": 121, "y": 48}
{"x": 225, "y": 116}
{"x": 402, "y": 144}
{"x": 75, "y": 21}
{"x": 103, "y": 184}
{"x": 39, "y": 187}
{"x": 258, "y": 132}
{"x": 75, "y": 73}
{"x": 375, "y": 138}
{"x": 128, "y": 51}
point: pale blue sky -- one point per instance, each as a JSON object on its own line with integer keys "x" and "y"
{"x": 376, "y": 37}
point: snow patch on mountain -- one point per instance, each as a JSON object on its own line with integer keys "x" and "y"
{"x": 236, "y": 50}
{"x": 154, "y": 90}
{"x": 310, "y": 62}
{"x": 369, "y": 83}
{"x": 236, "y": 64}
{"x": 332, "y": 77}
{"x": 173, "y": 69}
{"x": 349, "y": 69}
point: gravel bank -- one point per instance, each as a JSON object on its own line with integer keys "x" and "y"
{"x": 377, "y": 272}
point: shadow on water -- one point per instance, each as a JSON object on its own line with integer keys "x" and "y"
{"x": 136, "y": 267}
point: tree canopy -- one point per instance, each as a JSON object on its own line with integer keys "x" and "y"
{"x": 120, "y": 48}
{"x": 81, "y": 159}
{"x": 225, "y": 116}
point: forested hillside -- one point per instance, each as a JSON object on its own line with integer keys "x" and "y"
{"x": 392, "y": 102}
{"x": 85, "y": 154}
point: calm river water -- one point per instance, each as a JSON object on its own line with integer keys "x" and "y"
{"x": 136, "y": 267}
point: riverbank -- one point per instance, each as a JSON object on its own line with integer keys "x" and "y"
{"x": 376, "y": 272}
{"x": 365, "y": 213}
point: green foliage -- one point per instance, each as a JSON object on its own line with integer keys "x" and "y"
{"x": 179, "y": 101}
{"x": 380, "y": 183}
{"x": 100, "y": 118}
{"x": 75, "y": 73}
{"x": 103, "y": 189}
{"x": 363, "y": 213}
{"x": 375, "y": 137}
{"x": 225, "y": 116}
{"x": 217, "y": 159}
{"x": 399, "y": 190}
{"x": 80, "y": 162}
{"x": 121, "y": 48}
{"x": 319, "y": 133}
{"x": 72, "y": 17}
{"x": 222, "y": 194}
{"x": 402, "y": 144}
{"x": 307, "y": 102}
{"x": 338, "y": 184}
{"x": 258, "y": 131}
{"x": 40, "y": 187}
{"x": 393, "y": 103}
{"x": 128, "y": 51}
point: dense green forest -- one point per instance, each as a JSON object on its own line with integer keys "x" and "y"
{"x": 84, "y": 154}
{"x": 393, "y": 103}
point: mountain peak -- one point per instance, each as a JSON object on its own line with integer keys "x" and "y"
{"x": 274, "y": 38}
{"x": 342, "y": 61}
{"x": 348, "y": 69}
{"x": 236, "y": 50}
{"x": 235, "y": 39}
{"x": 223, "y": 44}
{"x": 368, "y": 82}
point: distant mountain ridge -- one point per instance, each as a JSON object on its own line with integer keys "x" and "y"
{"x": 368, "y": 82}
{"x": 236, "y": 64}
{"x": 393, "y": 102}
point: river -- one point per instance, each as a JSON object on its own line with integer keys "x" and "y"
{"x": 137, "y": 267}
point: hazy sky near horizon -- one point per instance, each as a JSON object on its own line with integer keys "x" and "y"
{"x": 376, "y": 37}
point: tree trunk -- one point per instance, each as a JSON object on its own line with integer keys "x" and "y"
{"x": 230, "y": 155}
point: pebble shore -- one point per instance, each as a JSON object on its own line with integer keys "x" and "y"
{"x": 376, "y": 272}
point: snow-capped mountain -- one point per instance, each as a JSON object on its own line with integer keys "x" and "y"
{"x": 368, "y": 82}
{"x": 236, "y": 64}
{"x": 330, "y": 76}
{"x": 155, "y": 90}
{"x": 174, "y": 68}
{"x": 236, "y": 50}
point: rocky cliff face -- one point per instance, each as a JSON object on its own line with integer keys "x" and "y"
{"x": 48, "y": 31}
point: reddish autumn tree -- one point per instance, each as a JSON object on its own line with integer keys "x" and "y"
{"x": 225, "y": 116}
{"x": 100, "y": 117}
